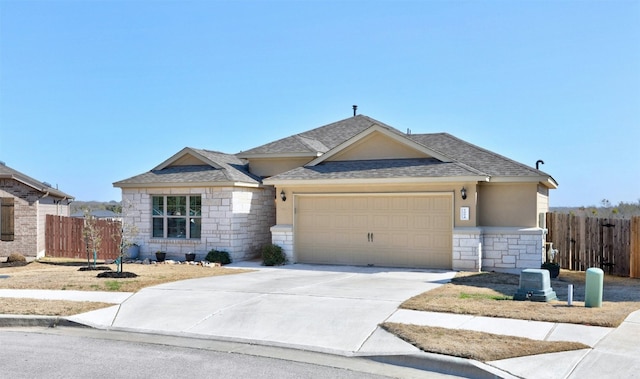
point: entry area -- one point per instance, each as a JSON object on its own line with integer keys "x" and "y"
{"x": 394, "y": 230}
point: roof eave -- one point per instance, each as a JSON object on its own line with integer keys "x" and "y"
{"x": 187, "y": 184}
{"x": 309, "y": 155}
{"x": 547, "y": 181}
{"x": 48, "y": 191}
{"x": 337, "y": 182}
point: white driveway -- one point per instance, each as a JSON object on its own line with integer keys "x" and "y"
{"x": 322, "y": 308}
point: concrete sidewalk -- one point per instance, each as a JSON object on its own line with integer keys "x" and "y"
{"x": 337, "y": 310}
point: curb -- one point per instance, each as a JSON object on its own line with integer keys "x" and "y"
{"x": 427, "y": 362}
{"x": 443, "y": 364}
{"x": 38, "y": 321}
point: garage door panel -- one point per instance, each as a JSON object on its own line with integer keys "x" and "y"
{"x": 343, "y": 221}
{"x": 378, "y": 203}
{"x": 400, "y": 204}
{"x": 359, "y": 222}
{"x": 407, "y": 231}
{"x": 354, "y": 204}
{"x": 379, "y": 222}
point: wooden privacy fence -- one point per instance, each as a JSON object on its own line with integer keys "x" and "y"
{"x": 63, "y": 238}
{"x": 584, "y": 242}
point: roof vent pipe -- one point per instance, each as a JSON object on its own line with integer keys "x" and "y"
{"x": 355, "y": 108}
{"x": 538, "y": 163}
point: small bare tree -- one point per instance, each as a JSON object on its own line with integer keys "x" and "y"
{"x": 92, "y": 237}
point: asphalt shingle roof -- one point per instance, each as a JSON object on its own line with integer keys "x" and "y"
{"x": 232, "y": 169}
{"x": 481, "y": 159}
{"x": 378, "y": 169}
{"x": 318, "y": 140}
{"x": 466, "y": 158}
{"x": 9, "y": 173}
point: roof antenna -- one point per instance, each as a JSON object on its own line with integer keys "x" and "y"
{"x": 355, "y": 108}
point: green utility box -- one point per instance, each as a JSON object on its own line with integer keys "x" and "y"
{"x": 593, "y": 288}
{"x": 535, "y": 285}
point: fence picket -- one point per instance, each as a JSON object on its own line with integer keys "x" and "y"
{"x": 63, "y": 238}
{"x": 583, "y": 242}
{"x": 634, "y": 247}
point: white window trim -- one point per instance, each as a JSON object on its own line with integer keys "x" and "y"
{"x": 165, "y": 217}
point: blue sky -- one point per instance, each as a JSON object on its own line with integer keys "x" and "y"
{"x": 92, "y": 92}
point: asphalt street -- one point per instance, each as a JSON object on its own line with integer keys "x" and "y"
{"x": 87, "y": 353}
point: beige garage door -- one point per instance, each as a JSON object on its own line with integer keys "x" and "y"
{"x": 380, "y": 230}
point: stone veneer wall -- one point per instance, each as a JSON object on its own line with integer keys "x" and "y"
{"x": 234, "y": 219}
{"x": 282, "y": 235}
{"x": 467, "y": 249}
{"x": 498, "y": 249}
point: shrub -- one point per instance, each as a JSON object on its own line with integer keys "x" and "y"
{"x": 272, "y": 255}
{"x": 15, "y": 257}
{"x": 219, "y": 256}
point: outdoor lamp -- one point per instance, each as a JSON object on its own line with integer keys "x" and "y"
{"x": 283, "y": 196}
{"x": 463, "y": 193}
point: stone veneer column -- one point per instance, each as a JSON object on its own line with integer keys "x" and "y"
{"x": 282, "y": 235}
{"x": 467, "y": 249}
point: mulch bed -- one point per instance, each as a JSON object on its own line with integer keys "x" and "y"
{"x": 97, "y": 268}
{"x": 117, "y": 275}
{"x": 13, "y": 264}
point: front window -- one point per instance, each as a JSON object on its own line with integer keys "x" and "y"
{"x": 172, "y": 214}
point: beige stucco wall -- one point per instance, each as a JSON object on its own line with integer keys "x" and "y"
{"x": 285, "y": 213}
{"x": 490, "y": 204}
{"x": 377, "y": 146}
{"x": 543, "y": 205}
{"x": 508, "y": 204}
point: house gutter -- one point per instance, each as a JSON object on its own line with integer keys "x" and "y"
{"x": 187, "y": 185}
{"x": 302, "y": 182}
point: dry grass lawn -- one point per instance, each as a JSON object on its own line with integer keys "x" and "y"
{"x": 475, "y": 345}
{"x": 490, "y": 294}
{"x": 47, "y": 307}
{"x": 64, "y": 274}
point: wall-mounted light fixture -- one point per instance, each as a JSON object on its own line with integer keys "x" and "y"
{"x": 283, "y": 196}
{"x": 463, "y": 193}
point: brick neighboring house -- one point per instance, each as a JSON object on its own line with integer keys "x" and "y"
{"x": 355, "y": 192}
{"x": 25, "y": 203}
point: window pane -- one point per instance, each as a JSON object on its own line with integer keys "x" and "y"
{"x": 194, "y": 228}
{"x": 158, "y": 227}
{"x": 158, "y": 205}
{"x": 176, "y": 205}
{"x": 176, "y": 228}
{"x": 195, "y": 206}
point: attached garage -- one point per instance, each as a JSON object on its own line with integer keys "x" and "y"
{"x": 398, "y": 230}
